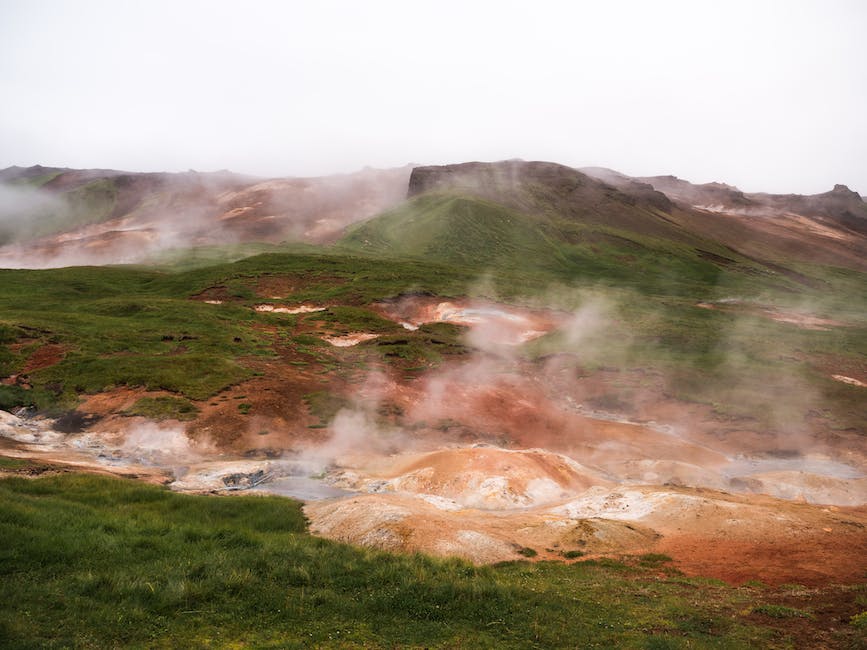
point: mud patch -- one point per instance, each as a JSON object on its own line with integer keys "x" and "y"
{"x": 708, "y": 533}
{"x": 849, "y": 380}
{"x": 278, "y": 287}
{"x": 498, "y": 323}
{"x": 46, "y": 356}
{"x": 349, "y": 340}
{"x": 282, "y": 309}
{"x": 215, "y": 295}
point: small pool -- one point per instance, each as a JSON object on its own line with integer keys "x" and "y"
{"x": 303, "y": 488}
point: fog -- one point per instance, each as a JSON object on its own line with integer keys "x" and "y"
{"x": 24, "y": 211}
{"x": 768, "y": 96}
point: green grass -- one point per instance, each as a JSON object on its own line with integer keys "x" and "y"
{"x": 164, "y": 408}
{"x": 95, "y": 562}
{"x": 639, "y": 249}
{"x": 13, "y": 463}
{"x": 781, "y": 611}
{"x": 325, "y": 405}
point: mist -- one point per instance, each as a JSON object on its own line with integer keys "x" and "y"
{"x": 111, "y": 217}
{"x": 26, "y": 212}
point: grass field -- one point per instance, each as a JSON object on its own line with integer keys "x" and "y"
{"x": 96, "y": 562}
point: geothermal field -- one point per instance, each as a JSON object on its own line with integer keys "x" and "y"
{"x": 505, "y": 367}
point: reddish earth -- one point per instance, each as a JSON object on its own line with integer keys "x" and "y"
{"x": 813, "y": 559}
{"x": 44, "y": 357}
{"x": 709, "y": 533}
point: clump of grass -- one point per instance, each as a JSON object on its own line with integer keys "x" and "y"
{"x": 308, "y": 340}
{"x": 13, "y": 463}
{"x": 781, "y": 611}
{"x": 354, "y": 319}
{"x": 325, "y": 405}
{"x": 571, "y": 555}
{"x": 244, "y": 408}
{"x": 526, "y": 551}
{"x": 859, "y": 620}
{"x": 12, "y": 397}
{"x": 164, "y": 408}
{"x": 654, "y": 559}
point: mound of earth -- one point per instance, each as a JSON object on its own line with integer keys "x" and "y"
{"x": 486, "y": 478}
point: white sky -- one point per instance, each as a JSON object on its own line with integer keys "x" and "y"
{"x": 767, "y": 95}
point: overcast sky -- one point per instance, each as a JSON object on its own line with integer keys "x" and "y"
{"x": 765, "y": 95}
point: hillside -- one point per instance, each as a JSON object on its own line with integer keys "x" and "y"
{"x": 557, "y": 221}
{"x": 828, "y": 228}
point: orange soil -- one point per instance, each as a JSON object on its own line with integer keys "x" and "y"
{"x": 46, "y": 356}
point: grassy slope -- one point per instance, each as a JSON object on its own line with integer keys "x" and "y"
{"x": 138, "y": 326}
{"x": 546, "y": 245}
{"x": 96, "y": 562}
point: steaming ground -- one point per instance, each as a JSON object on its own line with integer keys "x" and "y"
{"x": 494, "y": 453}
{"x": 486, "y": 503}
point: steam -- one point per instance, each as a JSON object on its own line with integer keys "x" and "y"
{"x": 164, "y": 446}
{"x": 153, "y": 218}
{"x": 589, "y": 362}
{"x": 357, "y": 430}
{"x": 26, "y": 211}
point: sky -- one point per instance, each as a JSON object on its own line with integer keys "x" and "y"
{"x": 766, "y": 95}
